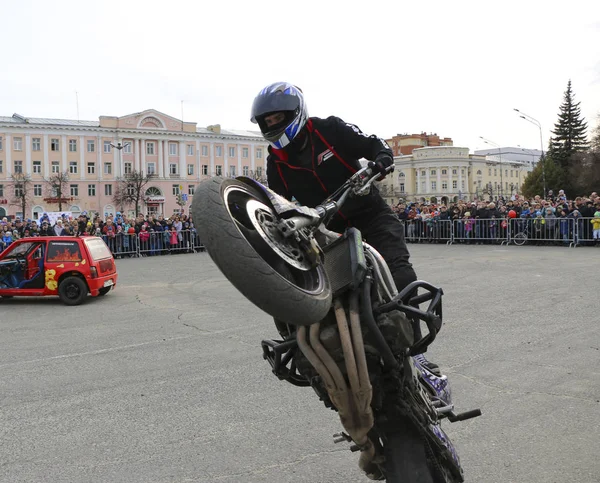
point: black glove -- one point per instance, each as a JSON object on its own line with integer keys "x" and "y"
{"x": 381, "y": 163}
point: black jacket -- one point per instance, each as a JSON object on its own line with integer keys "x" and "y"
{"x": 330, "y": 157}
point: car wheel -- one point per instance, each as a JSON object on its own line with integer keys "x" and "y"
{"x": 104, "y": 291}
{"x": 72, "y": 291}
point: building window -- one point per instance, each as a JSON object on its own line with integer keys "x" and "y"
{"x": 463, "y": 184}
{"x": 127, "y": 148}
{"x": 127, "y": 168}
{"x": 107, "y": 168}
{"x": 149, "y": 147}
{"x": 172, "y": 149}
{"x": 232, "y": 171}
{"x": 401, "y": 175}
{"x": 91, "y": 168}
{"x": 1, "y": 145}
{"x": 54, "y": 144}
{"x": 506, "y": 173}
{"x": 511, "y": 173}
{"x": 259, "y": 153}
{"x": 172, "y": 168}
{"x": 244, "y": 152}
{"x": 218, "y": 170}
{"x": 205, "y": 169}
{"x": 259, "y": 171}
{"x": 130, "y": 190}
{"x": 444, "y": 171}
{"x": 204, "y": 150}
{"x": 190, "y": 148}
{"x": 36, "y": 144}
{"x": 150, "y": 169}
{"x": 72, "y": 145}
{"x": 191, "y": 189}
{"x": 423, "y": 186}
{"x": 18, "y": 166}
{"x": 18, "y": 144}
{"x": 91, "y": 190}
{"x": 454, "y": 171}
{"x": 433, "y": 172}
{"x": 108, "y": 189}
{"x": 479, "y": 172}
{"x": 91, "y": 146}
{"x": 73, "y": 167}
{"x": 219, "y": 151}
{"x": 190, "y": 169}
{"x": 55, "y": 167}
{"x": 1, "y": 166}
{"x": 18, "y": 191}
{"x": 245, "y": 170}
{"x": 176, "y": 190}
{"x": 107, "y": 146}
{"x": 231, "y": 152}
{"x": 74, "y": 190}
{"x": 462, "y": 171}
{"x": 434, "y": 185}
{"x": 495, "y": 172}
{"x": 423, "y": 173}
{"x": 1, "y": 190}
{"x": 401, "y": 187}
{"x": 454, "y": 184}
{"x": 37, "y": 167}
{"x": 37, "y": 190}
{"x": 444, "y": 185}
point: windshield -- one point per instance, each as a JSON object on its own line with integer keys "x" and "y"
{"x": 97, "y": 248}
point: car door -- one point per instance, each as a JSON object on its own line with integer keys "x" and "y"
{"x": 35, "y": 261}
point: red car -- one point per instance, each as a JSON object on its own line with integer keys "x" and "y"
{"x": 70, "y": 267}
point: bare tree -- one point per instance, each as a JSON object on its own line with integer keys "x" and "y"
{"x": 57, "y": 189}
{"x": 21, "y": 191}
{"x": 258, "y": 175}
{"x": 130, "y": 189}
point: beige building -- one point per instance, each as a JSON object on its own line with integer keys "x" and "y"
{"x": 96, "y": 155}
{"x": 445, "y": 174}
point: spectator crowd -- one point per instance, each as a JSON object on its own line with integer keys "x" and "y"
{"x": 554, "y": 220}
{"x": 126, "y": 237}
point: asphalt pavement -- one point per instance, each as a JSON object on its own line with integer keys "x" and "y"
{"x": 163, "y": 380}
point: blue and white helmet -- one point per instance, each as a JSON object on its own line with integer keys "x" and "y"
{"x": 284, "y": 98}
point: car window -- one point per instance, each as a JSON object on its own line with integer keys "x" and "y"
{"x": 98, "y": 249}
{"x": 63, "y": 251}
{"x": 20, "y": 249}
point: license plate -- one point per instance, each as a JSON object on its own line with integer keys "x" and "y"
{"x": 108, "y": 283}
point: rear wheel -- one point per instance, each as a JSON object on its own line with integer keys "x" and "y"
{"x": 72, "y": 291}
{"x": 406, "y": 456}
{"x": 239, "y": 232}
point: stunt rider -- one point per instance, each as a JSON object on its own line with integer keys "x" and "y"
{"x": 310, "y": 158}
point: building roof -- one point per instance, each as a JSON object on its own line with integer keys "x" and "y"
{"x": 19, "y": 119}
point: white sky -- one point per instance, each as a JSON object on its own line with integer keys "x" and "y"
{"x": 456, "y": 68}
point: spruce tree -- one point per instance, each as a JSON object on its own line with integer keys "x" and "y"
{"x": 569, "y": 132}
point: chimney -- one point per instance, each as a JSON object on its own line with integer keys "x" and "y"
{"x": 216, "y": 128}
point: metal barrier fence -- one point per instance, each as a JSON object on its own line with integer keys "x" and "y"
{"x": 153, "y": 243}
{"x": 563, "y": 231}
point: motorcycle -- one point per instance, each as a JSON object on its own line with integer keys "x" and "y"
{"x": 345, "y": 329}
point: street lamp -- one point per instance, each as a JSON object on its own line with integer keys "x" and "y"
{"x": 535, "y": 122}
{"x": 487, "y": 141}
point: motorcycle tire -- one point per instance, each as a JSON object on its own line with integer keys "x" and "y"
{"x": 406, "y": 456}
{"x": 267, "y": 269}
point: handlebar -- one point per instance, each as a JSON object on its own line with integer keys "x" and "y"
{"x": 359, "y": 185}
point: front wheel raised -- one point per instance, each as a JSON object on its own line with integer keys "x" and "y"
{"x": 239, "y": 231}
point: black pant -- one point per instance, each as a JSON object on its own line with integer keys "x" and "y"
{"x": 385, "y": 233}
